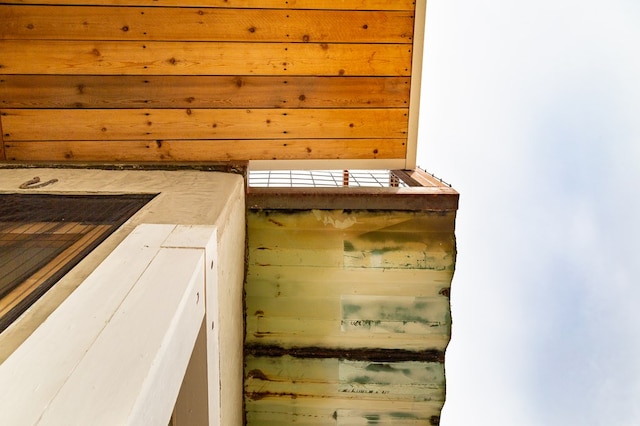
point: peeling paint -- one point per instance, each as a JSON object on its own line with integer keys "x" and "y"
{"x": 392, "y": 314}
{"x": 354, "y": 320}
{"x": 337, "y": 219}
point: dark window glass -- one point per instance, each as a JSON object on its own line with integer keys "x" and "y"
{"x": 43, "y": 236}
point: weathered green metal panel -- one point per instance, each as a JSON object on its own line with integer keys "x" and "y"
{"x": 347, "y": 316}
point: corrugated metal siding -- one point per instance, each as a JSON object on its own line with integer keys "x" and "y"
{"x": 126, "y": 80}
{"x": 347, "y": 316}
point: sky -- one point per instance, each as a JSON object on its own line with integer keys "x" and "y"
{"x": 531, "y": 110}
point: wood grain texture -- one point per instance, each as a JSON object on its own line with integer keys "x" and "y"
{"x": 207, "y": 79}
{"x": 204, "y": 24}
{"x": 149, "y": 124}
{"x": 203, "y": 58}
{"x": 204, "y": 150}
{"x": 267, "y": 4}
{"x": 99, "y": 91}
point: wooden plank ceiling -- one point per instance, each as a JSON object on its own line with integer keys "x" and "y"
{"x": 207, "y": 80}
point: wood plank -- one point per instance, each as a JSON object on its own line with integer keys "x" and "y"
{"x": 136, "y": 251}
{"x": 60, "y": 91}
{"x": 133, "y": 371}
{"x": 204, "y": 150}
{"x": 204, "y": 24}
{"x": 267, "y": 4}
{"x": 205, "y": 58}
{"x": 214, "y": 355}
{"x": 192, "y": 405}
{"x": 150, "y": 124}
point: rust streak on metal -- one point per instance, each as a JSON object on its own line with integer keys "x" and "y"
{"x": 356, "y": 354}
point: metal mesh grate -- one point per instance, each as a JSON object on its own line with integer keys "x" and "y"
{"x": 324, "y": 178}
{"x": 43, "y": 236}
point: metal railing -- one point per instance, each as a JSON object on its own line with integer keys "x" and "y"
{"x": 324, "y": 178}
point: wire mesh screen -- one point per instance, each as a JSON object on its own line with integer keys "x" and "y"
{"x": 324, "y": 178}
{"x": 43, "y": 236}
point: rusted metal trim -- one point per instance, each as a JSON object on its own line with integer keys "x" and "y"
{"x": 354, "y": 198}
{"x": 357, "y": 354}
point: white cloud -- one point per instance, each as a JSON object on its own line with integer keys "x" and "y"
{"x": 530, "y": 110}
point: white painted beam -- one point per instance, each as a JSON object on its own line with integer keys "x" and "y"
{"x": 203, "y": 237}
{"x": 133, "y": 371}
{"x": 28, "y": 379}
{"x": 116, "y": 350}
